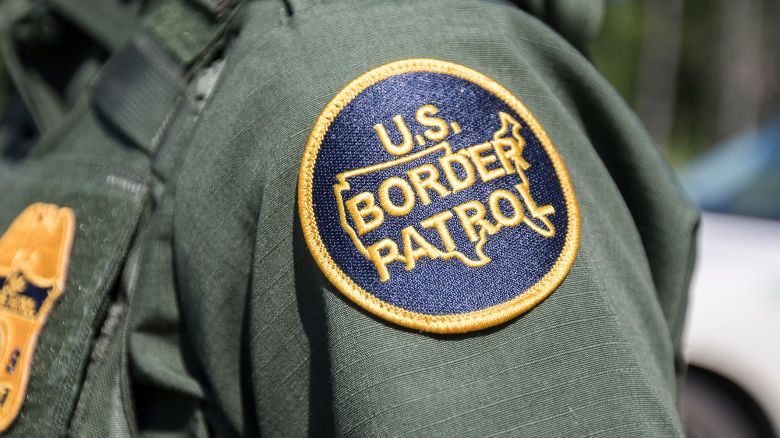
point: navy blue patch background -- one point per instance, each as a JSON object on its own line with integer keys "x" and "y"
{"x": 39, "y": 294}
{"x": 520, "y": 256}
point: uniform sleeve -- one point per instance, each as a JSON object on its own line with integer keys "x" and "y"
{"x": 287, "y": 352}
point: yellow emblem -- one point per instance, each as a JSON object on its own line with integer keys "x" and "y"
{"x": 34, "y": 255}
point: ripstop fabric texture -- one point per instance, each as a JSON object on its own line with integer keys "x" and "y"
{"x": 194, "y": 308}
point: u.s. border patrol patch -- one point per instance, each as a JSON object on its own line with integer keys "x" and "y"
{"x": 430, "y": 196}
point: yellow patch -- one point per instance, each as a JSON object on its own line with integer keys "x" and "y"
{"x": 34, "y": 255}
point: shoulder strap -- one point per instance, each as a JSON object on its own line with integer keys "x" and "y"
{"x": 139, "y": 87}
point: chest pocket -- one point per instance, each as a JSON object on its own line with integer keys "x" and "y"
{"x": 106, "y": 209}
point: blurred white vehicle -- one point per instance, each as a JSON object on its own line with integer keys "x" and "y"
{"x": 733, "y": 329}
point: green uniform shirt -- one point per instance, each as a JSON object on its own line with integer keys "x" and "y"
{"x": 194, "y": 307}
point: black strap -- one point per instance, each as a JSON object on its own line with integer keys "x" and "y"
{"x": 153, "y": 57}
{"x": 138, "y": 89}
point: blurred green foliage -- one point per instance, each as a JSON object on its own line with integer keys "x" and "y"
{"x": 727, "y": 74}
{"x": 616, "y": 51}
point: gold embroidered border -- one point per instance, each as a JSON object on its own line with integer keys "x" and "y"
{"x": 451, "y": 323}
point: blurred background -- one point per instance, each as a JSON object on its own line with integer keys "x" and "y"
{"x": 704, "y": 77}
{"x": 697, "y": 72}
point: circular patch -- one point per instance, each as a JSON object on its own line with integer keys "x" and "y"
{"x": 430, "y": 196}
